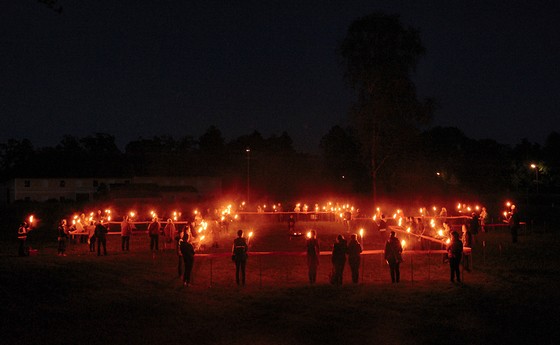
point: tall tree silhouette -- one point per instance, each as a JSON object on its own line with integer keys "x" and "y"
{"x": 379, "y": 55}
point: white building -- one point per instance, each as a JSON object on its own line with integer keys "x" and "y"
{"x": 84, "y": 189}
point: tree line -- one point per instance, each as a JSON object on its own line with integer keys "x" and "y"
{"x": 437, "y": 161}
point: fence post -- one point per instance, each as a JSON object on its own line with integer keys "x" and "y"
{"x": 429, "y": 263}
{"x": 363, "y": 258}
{"x": 211, "y": 271}
{"x": 463, "y": 270}
{"x": 412, "y": 268}
{"x": 471, "y": 260}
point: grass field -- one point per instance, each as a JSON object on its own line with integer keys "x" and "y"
{"x": 511, "y": 296}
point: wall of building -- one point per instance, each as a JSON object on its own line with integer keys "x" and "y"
{"x": 83, "y": 189}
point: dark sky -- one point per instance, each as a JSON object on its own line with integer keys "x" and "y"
{"x": 143, "y": 68}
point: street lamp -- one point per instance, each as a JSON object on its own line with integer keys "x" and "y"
{"x": 534, "y": 166}
{"x": 248, "y": 150}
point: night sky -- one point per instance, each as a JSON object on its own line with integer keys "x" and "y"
{"x": 143, "y": 68}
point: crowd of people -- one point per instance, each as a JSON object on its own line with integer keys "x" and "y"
{"x": 95, "y": 229}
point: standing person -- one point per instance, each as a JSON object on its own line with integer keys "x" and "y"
{"x": 466, "y": 238}
{"x": 239, "y": 256}
{"x": 483, "y": 219}
{"x": 101, "y": 236}
{"x": 98, "y": 217}
{"x": 382, "y": 223}
{"x": 187, "y": 253}
{"x": 339, "y": 259}
{"x": 474, "y": 226}
{"x": 354, "y": 251}
{"x": 189, "y": 229}
{"x": 514, "y": 224}
{"x": 153, "y": 231}
{"x": 313, "y": 252}
{"x": 62, "y": 237}
{"x": 347, "y": 216}
{"x": 280, "y": 209}
{"x": 393, "y": 256}
{"x": 420, "y": 229}
{"x": 23, "y": 229}
{"x": 443, "y": 215}
{"x": 126, "y": 232}
{"x": 182, "y": 234}
{"x": 446, "y": 230}
{"x": 91, "y": 236}
{"x": 455, "y": 252}
{"x": 291, "y": 224}
{"x": 169, "y": 232}
{"x": 77, "y": 228}
{"x": 84, "y": 222}
{"x": 446, "y": 235}
{"x": 467, "y": 242}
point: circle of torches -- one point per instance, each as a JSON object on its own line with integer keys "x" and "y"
{"x": 340, "y": 212}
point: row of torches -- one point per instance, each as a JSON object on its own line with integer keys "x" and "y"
{"x": 200, "y": 225}
{"x": 228, "y": 214}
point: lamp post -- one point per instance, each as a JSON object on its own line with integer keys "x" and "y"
{"x": 248, "y": 151}
{"x": 534, "y": 166}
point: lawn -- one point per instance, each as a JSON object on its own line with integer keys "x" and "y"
{"x": 511, "y": 296}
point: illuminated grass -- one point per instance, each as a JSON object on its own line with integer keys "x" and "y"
{"x": 510, "y": 297}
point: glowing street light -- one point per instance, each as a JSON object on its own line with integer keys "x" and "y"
{"x": 248, "y": 150}
{"x": 536, "y": 167}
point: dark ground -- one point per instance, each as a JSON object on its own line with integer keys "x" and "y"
{"x": 511, "y": 296}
